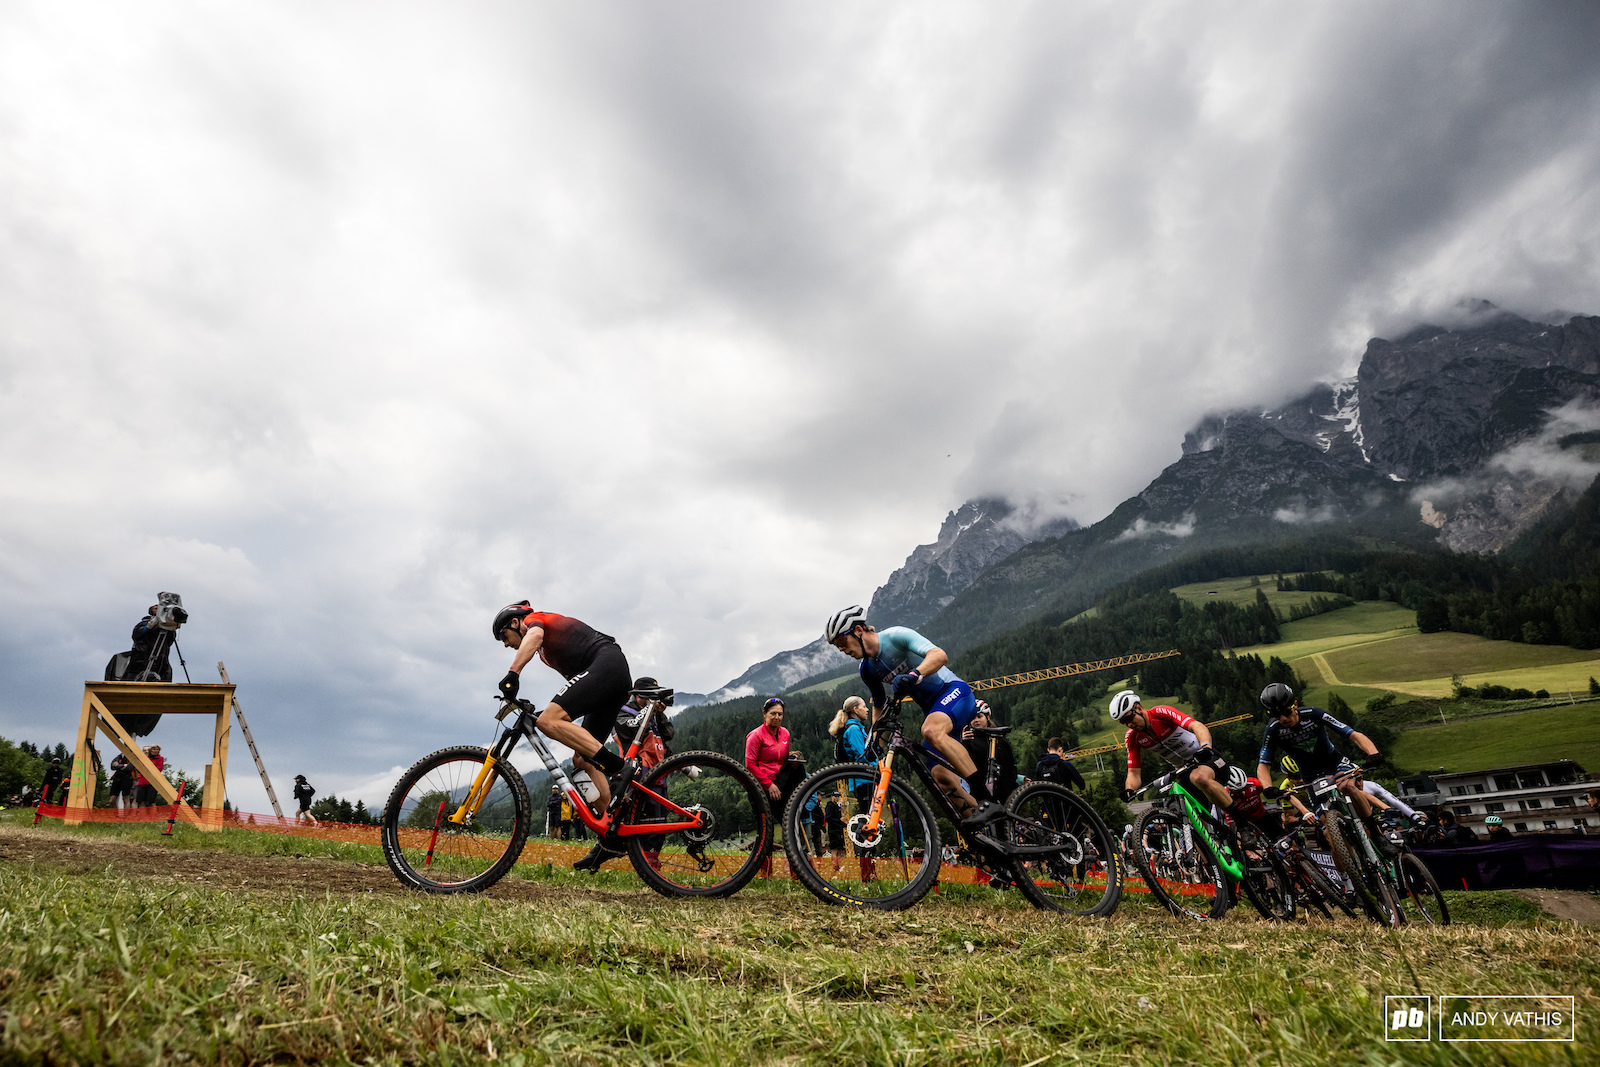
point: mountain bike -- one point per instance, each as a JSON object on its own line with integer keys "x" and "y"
{"x": 458, "y": 819}
{"x": 1047, "y": 841}
{"x": 1392, "y": 885}
{"x": 1182, "y": 833}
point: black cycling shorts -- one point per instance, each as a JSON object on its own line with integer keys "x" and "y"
{"x": 591, "y": 698}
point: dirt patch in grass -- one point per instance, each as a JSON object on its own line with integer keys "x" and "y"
{"x": 308, "y": 873}
{"x": 1566, "y": 904}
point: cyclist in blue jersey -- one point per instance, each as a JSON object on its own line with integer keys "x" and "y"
{"x": 1301, "y": 733}
{"x": 914, "y": 667}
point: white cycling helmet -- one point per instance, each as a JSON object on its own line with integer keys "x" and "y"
{"x": 843, "y": 622}
{"x": 1123, "y": 703}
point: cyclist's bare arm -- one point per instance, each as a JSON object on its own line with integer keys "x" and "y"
{"x": 528, "y": 648}
{"x": 1363, "y": 742}
{"x": 1134, "y": 780}
{"x": 932, "y": 662}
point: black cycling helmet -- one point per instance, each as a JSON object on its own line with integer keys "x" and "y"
{"x": 1277, "y": 698}
{"x": 508, "y": 615}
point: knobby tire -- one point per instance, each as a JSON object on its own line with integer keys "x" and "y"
{"x": 890, "y": 862}
{"x": 1160, "y": 826}
{"x": 1071, "y": 880}
{"x": 427, "y": 852}
{"x": 672, "y": 863}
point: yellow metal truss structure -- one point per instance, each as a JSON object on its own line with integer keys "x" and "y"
{"x": 1068, "y": 670}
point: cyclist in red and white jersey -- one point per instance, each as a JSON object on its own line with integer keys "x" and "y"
{"x": 1175, "y": 737}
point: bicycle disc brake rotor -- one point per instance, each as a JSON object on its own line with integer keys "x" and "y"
{"x": 859, "y": 835}
{"x": 1071, "y": 847}
{"x": 708, "y": 825}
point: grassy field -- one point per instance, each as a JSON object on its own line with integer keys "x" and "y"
{"x": 1240, "y": 591}
{"x": 133, "y": 953}
{"x": 1439, "y": 655}
{"x": 1533, "y": 736}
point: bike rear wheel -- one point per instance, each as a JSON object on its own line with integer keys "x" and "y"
{"x": 1420, "y": 895}
{"x": 891, "y": 867}
{"x": 1266, "y": 878}
{"x": 1319, "y": 889}
{"x": 428, "y": 851}
{"x": 1085, "y": 876}
{"x": 1180, "y": 874}
{"x": 703, "y": 862}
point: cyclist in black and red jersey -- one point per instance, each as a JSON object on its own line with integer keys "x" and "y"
{"x": 598, "y": 683}
{"x": 1175, "y": 737}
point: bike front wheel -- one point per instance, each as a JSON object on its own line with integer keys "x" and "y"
{"x": 890, "y": 866}
{"x": 1179, "y": 874}
{"x": 428, "y": 849}
{"x": 1084, "y": 876}
{"x": 1420, "y": 895}
{"x": 1346, "y": 850}
{"x": 707, "y": 860}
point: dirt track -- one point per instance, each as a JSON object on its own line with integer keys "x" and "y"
{"x": 304, "y": 875}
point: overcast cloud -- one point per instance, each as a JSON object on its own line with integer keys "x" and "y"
{"x": 352, "y": 322}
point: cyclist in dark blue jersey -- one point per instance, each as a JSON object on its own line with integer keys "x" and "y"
{"x": 1301, "y": 733}
{"x": 914, "y": 667}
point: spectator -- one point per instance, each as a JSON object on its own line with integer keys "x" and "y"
{"x": 767, "y": 756}
{"x": 566, "y": 818}
{"x": 849, "y": 731}
{"x": 552, "y": 821}
{"x": 121, "y": 784}
{"x": 1497, "y": 829}
{"x": 1057, "y": 767}
{"x": 52, "y": 779}
{"x": 978, "y": 747}
{"x": 303, "y": 792}
{"x": 144, "y": 794}
{"x": 1451, "y": 833}
{"x": 833, "y": 819}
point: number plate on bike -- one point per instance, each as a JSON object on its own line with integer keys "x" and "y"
{"x": 1323, "y": 788}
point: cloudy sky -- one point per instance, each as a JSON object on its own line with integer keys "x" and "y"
{"x": 351, "y": 322}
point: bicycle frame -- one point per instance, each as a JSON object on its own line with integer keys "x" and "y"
{"x": 524, "y": 728}
{"x": 898, "y": 743}
{"x": 1199, "y": 814}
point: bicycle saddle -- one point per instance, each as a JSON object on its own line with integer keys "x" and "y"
{"x": 655, "y": 692}
{"x": 992, "y": 731}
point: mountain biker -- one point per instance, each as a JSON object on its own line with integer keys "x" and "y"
{"x": 1175, "y": 737}
{"x": 916, "y": 668}
{"x": 1302, "y": 735}
{"x": 582, "y": 712}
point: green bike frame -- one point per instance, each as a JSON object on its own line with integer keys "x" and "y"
{"x": 1198, "y": 815}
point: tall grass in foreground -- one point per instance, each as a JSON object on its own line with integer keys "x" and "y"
{"x": 99, "y": 968}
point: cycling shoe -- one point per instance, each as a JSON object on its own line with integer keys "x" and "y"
{"x": 597, "y": 855}
{"x": 987, "y": 813}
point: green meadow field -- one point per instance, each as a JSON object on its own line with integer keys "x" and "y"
{"x": 1531, "y": 736}
{"x": 125, "y": 947}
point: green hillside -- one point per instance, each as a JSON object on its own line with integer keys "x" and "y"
{"x": 1242, "y": 592}
{"x": 1570, "y": 732}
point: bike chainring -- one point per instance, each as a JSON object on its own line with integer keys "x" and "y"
{"x": 707, "y": 829}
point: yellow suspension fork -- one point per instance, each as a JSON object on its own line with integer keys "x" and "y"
{"x": 479, "y": 790}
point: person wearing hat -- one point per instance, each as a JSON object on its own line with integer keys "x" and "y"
{"x": 303, "y": 792}
{"x": 1497, "y": 829}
